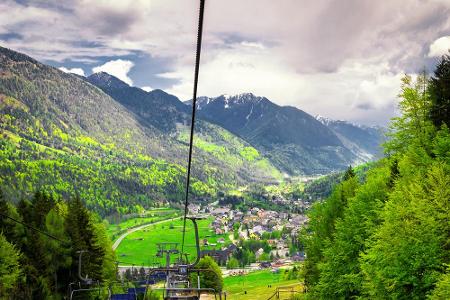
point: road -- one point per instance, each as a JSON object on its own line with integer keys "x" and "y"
{"x": 120, "y": 239}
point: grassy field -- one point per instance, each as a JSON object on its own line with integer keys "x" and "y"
{"x": 257, "y": 285}
{"x": 152, "y": 216}
{"x": 140, "y": 248}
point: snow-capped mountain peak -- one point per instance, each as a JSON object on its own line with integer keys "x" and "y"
{"x": 227, "y": 100}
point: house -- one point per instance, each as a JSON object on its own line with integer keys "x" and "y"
{"x": 259, "y": 253}
{"x": 255, "y": 235}
{"x": 298, "y": 257}
{"x": 220, "y": 211}
{"x": 272, "y": 242}
{"x": 259, "y": 230}
{"x": 220, "y": 256}
{"x": 194, "y": 208}
{"x": 231, "y": 248}
{"x": 254, "y": 210}
{"x": 243, "y": 235}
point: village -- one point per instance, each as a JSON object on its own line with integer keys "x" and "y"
{"x": 275, "y": 234}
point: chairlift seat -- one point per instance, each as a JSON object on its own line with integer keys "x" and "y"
{"x": 123, "y": 297}
{"x": 197, "y": 217}
{"x": 139, "y": 290}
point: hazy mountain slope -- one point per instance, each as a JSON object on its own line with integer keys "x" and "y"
{"x": 293, "y": 140}
{"x": 363, "y": 141}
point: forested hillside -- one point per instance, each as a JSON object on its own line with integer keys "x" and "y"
{"x": 387, "y": 237}
{"x": 294, "y": 141}
{"x": 63, "y": 135}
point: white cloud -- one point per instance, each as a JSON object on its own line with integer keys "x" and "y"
{"x": 118, "y": 68}
{"x": 440, "y": 47}
{"x": 147, "y": 88}
{"x": 78, "y": 71}
{"x": 360, "y": 90}
{"x": 317, "y": 55}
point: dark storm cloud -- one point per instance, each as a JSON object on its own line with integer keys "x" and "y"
{"x": 365, "y": 106}
{"x": 109, "y": 22}
{"x": 10, "y": 36}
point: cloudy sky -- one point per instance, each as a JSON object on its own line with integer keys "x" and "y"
{"x": 339, "y": 58}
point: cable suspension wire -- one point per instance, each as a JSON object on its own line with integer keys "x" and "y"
{"x": 194, "y": 104}
{"x": 35, "y": 229}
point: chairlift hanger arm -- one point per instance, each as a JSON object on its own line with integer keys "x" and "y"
{"x": 194, "y": 107}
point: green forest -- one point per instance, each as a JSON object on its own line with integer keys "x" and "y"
{"x": 388, "y": 237}
{"x": 40, "y": 242}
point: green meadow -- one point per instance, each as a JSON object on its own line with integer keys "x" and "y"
{"x": 152, "y": 216}
{"x": 140, "y": 247}
{"x": 256, "y": 284}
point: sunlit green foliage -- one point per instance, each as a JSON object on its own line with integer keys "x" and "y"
{"x": 9, "y": 267}
{"x": 47, "y": 263}
{"x": 390, "y": 239}
{"x": 211, "y": 278}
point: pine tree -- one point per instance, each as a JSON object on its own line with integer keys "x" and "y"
{"x": 349, "y": 173}
{"x": 82, "y": 234}
{"x": 58, "y": 253}
{"x": 414, "y": 125}
{"x": 340, "y": 274}
{"x": 439, "y": 89}
{"x": 320, "y": 232}
{"x": 10, "y": 270}
{"x": 9, "y": 228}
{"x": 408, "y": 252}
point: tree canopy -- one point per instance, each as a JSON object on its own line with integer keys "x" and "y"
{"x": 388, "y": 237}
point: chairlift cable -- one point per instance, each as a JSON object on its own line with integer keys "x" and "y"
{"x": 35, "y": 229}
{"x": 194, "y": 103}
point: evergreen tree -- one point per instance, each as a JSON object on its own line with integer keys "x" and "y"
{"x": 414, "y": 124}
{"x": 349, "y": 173}
{"x": 439, "y": 89}
{"x": 408, "y": 251}
{"x": 10, "y": 229}
{"x": 41, "y": 205}
{"x": 10, "y": 270}
{"x": 58, "y": 253}
{"x": 34, "y": 260}
{"x": 82, "y": 233}
{"x": 442, "y": 290}
{"x": 320, "y": 232}
{"x": 340, "y": 274}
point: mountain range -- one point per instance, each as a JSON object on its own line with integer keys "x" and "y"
{"x": 294, "y": 141}
{"x": 121, "y": 148}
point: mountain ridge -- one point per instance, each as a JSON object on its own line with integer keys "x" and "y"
{"x": 63, "y": 135}
{"x": 121, "y": 148}
{"x": 285, "y": 134}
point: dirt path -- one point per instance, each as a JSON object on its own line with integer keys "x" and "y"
{"x": 120, "y": 239}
